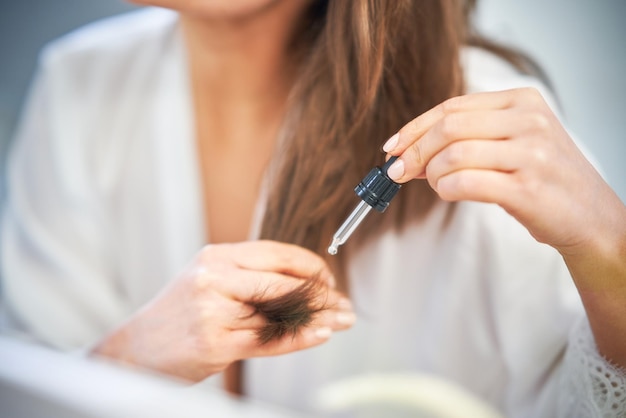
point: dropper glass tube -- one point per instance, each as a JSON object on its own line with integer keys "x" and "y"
{"x": 376, "y": 191}
{"x": 347, "y": 228}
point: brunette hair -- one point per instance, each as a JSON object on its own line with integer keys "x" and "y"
{"x": 286, "y": 314}
{"x": 366, "y": 68}
{"x": 370, "y": 67}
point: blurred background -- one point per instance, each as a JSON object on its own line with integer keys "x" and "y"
{"x": 580, "y": 43}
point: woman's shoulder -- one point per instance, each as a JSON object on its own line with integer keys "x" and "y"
{"x": 95, "y": 90}
{"x": 108, "y": 64}
{"x": 110, "y": 38}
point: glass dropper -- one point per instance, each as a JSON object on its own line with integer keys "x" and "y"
{"x": 376, "y": 191}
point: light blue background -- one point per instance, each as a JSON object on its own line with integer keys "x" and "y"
{"x": 580, "y": 43}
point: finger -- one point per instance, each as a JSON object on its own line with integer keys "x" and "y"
{"x": 487, "y": 124}
{"x": 246, "y": 344}
{"x": 337, "y": 320}
{"x": 228, "y": 313}
{"x": 272, "y": 256}
{"x": 418, "y": 126}
{"x": 327, "y": 298}
{"x": 338, "y": 301}
{"x": 254, "y": 323}
{"x": 479, "y": 185}
{"x": 276, "y": 256}
{"x": 245, "y": 318}
{"x": 473, "y": 153}
{"x": 340, "y": 317}
{"x": 246, "y": 285}
{"x": 303, "y": 306}
{"x": 254, "y": 287}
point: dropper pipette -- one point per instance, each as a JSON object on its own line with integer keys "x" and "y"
{"x": 376, "y": 191}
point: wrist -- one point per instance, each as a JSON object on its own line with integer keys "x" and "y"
{"x": 116, "y": 346}
{"x": 598, "y": 263}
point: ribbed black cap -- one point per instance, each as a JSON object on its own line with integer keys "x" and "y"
{"x": 377, "y": 189}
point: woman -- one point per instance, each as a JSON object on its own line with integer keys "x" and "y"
{"x": 152, "y": 134}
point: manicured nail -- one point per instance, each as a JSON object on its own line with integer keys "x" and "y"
{"x": 323, "y": 333}
{"x": 345, "y": 318}
{"x": 396, "y": 171}
{"x": 391, "y": 142}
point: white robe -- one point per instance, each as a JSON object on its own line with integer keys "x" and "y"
{"x": 105, "y": 208}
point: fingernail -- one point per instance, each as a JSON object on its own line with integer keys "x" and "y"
{"x": 345, "y": 318}
{"x": 391, "y": 142}
{"x": 323, "y": 333}
{"x": 344, "y": 304}
{"x": 396, "y": 170}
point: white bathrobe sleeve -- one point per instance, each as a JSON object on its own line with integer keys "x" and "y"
{"x": 54, "y": 254}
{"x": 103, "y": 207}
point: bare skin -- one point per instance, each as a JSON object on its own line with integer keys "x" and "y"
{"x": 506, "y": 148}
{"x": 241, "y": 75}
{"x": 240, "y": 78}
{"x": 509, "y": 148}
{"x": 200, "y": 324}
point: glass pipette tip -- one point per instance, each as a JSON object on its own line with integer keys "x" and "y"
{"x": 349, "y": 225}
{"x": 376, "y": 191}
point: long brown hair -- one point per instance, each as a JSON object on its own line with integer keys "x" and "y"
{"x": 368, "y": 68}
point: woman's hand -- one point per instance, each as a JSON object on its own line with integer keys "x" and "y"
{"x": 201, "y": 323}
{"x": 509, "y": 148}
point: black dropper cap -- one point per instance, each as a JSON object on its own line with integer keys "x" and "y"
{"x": 377, "y": 189}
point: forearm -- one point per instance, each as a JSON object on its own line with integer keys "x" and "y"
{"x": 599, "y": 271}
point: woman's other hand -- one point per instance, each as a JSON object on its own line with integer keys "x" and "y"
{"x": 201, "y": 323}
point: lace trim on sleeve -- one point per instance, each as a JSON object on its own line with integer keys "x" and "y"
{"x": 592, "y": 386}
